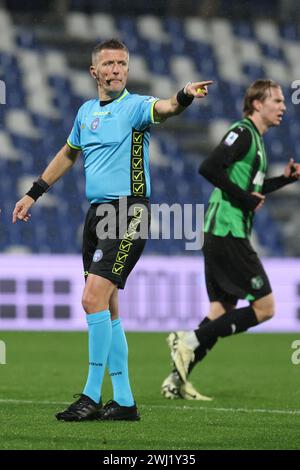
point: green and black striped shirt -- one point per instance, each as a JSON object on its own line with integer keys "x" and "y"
{"x": 243, "y": 157}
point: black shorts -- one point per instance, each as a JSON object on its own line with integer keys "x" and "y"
{"x": 114, "y": 237}
{"x": 233, "y": 270}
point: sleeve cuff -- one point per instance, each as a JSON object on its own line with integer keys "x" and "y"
{"x": 152, "y": 112}
{"x": 73, "y": 146}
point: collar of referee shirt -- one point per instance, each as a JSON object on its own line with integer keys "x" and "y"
{"x": 122, "y": 95}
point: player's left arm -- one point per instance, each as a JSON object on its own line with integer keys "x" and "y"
{"x": 163, "y": 109}
{"x": 290, "y": 175}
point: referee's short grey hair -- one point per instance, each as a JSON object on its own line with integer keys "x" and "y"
{"x": 109, "y": 44}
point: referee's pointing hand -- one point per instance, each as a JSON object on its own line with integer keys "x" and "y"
{"x": 198, "y": 89}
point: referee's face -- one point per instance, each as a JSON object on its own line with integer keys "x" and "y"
{"x": 273, "y": 107}
{"x": 111, "y": 72}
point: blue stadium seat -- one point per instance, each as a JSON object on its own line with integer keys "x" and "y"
{"x": 252, "y": 71}
{"x": 272, "y": 52}
{"x": 290, "y": 31}
{"x": 26, "y": 39}
{"x": 158, "y": 56}
{"x": 128, "y": 33}
{"x": 243, "y": 29}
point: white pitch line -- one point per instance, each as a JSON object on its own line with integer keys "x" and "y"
{"x": 227, "y": 410}
{"x": 166, "y": 407}
{"x": 32, "y": 402}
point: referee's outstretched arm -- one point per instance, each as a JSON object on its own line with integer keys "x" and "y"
{"x": 178, "y": 102}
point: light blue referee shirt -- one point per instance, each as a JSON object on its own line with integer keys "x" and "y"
{"x": 114, "y": 140}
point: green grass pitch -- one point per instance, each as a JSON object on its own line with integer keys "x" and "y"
{"x": 255, "y": 386}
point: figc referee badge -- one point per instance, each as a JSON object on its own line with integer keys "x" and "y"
{"x": 95, "y": 124}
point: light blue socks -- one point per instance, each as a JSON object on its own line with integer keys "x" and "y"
{"x": 118, "y": 365}
{"x": 100, "y": 339}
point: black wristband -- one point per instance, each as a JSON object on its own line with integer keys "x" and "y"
{"x": 183, "y": 99}
{"x": 38, "y": 188}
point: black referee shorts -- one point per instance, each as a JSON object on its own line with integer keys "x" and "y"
{"x": 114, "y": 237}
{"x": 233, "y": 270}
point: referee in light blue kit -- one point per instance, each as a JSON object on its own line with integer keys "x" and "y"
{"x": 112, "y": 133}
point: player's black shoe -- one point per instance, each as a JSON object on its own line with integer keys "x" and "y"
{"x": 113, "y": 411}
{"x": 83, "y": 409}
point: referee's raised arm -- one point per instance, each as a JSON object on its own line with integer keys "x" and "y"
{"x": 58, "y": 166}
{"x": 164, "y": 109}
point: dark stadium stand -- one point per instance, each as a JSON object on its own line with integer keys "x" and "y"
{"x": 46, "y": 77}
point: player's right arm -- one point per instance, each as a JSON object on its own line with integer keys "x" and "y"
{"x": 58, "y": 166}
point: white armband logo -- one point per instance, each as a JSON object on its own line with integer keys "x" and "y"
{"x": 150, "y": 99}
{"x": 231, "y": 138}
{"x": 259, "y": 178}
